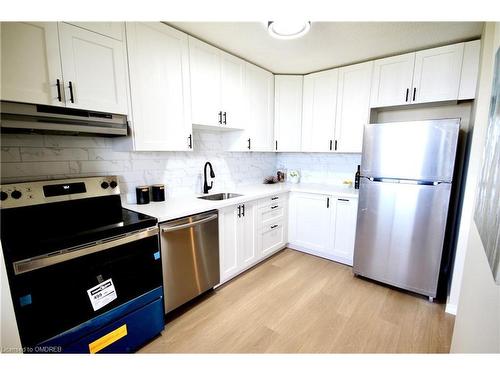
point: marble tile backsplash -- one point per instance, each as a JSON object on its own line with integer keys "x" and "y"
{"x": 321, "y": 168}
{"x": 29, "y": 157}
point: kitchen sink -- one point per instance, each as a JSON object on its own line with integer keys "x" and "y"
{"x": 220, "y": 196}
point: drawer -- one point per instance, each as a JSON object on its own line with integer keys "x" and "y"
{"x": 273, "y": 199}
{"x": 273, "y": 212}
{"x": 273, "y": 237}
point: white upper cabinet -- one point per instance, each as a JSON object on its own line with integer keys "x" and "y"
{"x": 205, "y": 70}
{"x": 158, "y": 58}
{"x": 319, "y": 111}
{"x": 217, "y": 86}
{"x": 94, "y": 70}
{"x": 288, "y": 112}
{"x": 392, "y": 79}
{"x": 112, "y": 29}
{"x": 470, "y": 70}
{"x": 353, "y": 102}
{"x": 437, "y": 74}
{"x": 31, "y": 63}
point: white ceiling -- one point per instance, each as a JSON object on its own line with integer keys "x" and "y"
{"x": 328, "y": 44}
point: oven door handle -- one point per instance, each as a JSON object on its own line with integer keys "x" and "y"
{"x": 31, "y": 264}
{"x": 188, "y": 225}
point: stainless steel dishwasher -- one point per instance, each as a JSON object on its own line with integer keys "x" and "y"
{"x": 190, "y": 257}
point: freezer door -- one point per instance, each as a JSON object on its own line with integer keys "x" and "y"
{"x": 415, "y": 150}
{"x": 400, "y": 232}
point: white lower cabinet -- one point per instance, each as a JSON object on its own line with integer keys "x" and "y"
{"x": 323, "y": 225}
{"x": 249, "y": 232}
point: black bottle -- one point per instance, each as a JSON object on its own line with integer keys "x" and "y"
{"x": 356, "y": 178}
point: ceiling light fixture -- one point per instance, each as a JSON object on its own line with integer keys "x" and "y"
{"x": 288, "y": 29}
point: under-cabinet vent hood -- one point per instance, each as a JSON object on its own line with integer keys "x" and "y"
{"x": 26, "y": 118}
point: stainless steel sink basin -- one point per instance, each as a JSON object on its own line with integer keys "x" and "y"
{"x": 220, "y": 196}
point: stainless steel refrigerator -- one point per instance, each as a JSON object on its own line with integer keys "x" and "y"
{"x": 404, "y": 194}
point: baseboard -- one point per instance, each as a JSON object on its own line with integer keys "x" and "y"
{"x": 320, "y": 254}
{"x": 451, "y": 308}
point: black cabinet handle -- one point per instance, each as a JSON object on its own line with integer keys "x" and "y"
{"x": 274, "y": 226}
{"x": 273, "y": 207}
{"x": 327, "y": 202}
{"x": 58, "y": 84}
{"x": 407, "y": 93}
{"x": 220, "y": 117}
{"x": 414, "y": 93}
{"x": 243, "y": 213}
{"x": 331, "y": 144}
{"x": 343, "y": 200}
{"x": 225, "y": 118}
{"x": 190, "y": 141}
{"x": 276, "y": 145}
{"x": 274, "y": 198}
{"x": 71, "y": 97}
{"x": 249, "y": 144}
{"x": 239, "y": 211}
{"x": 335, "y": 145}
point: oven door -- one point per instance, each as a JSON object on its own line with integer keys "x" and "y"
{"x": 58, "y": 292}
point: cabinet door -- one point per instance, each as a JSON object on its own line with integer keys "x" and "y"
{"x": 319, "y": 109}
{"x": 111, "y": 29}
{"x": 273, "y": 237}
{"x": 288, "y": 113}
{"x": 470, "y": 70}
{"x": 159, "y": 84}
{"x": 229, "y": 242}
{"x": 205, "y": 83}
{"x": 248, "y": 253}
{"x": 392, "y": 79}
{"x": 31, "y": 63}
{"x": 94, "y": 70}
{"x": 310, "y": 221}
{"x": 232, "y": 91}
{"x": 353, "y": 103}
{"x": 343, "y": 229}
{"x": 437, "y": 74}
{"x": 259, "y": 89}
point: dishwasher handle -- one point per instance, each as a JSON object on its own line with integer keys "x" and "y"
{"x": 188, "y": 225}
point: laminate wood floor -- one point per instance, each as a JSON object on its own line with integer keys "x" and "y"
{"x": 298, "y": 303}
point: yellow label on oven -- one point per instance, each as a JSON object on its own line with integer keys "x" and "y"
{"x": 108, "y": 339}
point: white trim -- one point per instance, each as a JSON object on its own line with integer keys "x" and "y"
{"x": 451, "y": 308}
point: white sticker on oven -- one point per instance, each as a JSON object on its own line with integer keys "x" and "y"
{"x": 102, "y": 294}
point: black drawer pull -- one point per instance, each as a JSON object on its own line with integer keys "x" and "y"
{"x": 274, "y": 198}
{"x": 274, "y": 226}
{"x": 343, "y": 200}
{"x": 273, "y": 207}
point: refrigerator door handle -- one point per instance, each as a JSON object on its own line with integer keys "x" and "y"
{"x": 404, "y": 181}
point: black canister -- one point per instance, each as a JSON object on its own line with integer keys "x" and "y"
{"x": 158, "y": 193}
{"x": 142, "y": 194}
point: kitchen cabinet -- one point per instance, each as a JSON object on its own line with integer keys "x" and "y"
{"x": 319, "y": 111}
{"x": 217, "y": 87}
{"x": 288, "y": 112}
{"x": 437, "y": 74}
{"x": 430, "y": 75}
{"x": 392, "y": 79}
{"x": 237, "y": 238}
{"x": 63, "y": 65}
{"x": 31, "y": 63}
{"x": 323, "y": 225}
{"x": 94, "y": 70}
{"x": 470, "y": 70}
{"x": 353, "y": 102}
{"x": 112, "y": 29}
{"x": 259, "y": 98}
{"x": 158, "y": 58}
{"x": 272, "y": 224}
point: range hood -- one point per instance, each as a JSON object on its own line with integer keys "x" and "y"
{"x": 22, "y": 117}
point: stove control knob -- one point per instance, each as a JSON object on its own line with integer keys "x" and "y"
{"x": 104, "y": 185}
{"x": 16, "y": 194}
{"x": 113, "y": 184}
{"x": 3, "y": 195}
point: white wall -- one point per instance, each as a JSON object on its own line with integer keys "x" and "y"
{"x": 477, "y": 325}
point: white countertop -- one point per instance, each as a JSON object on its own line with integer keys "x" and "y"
{"x": 173, "y": 208}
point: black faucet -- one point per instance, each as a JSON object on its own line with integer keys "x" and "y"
{"x": 206, "y": 188}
